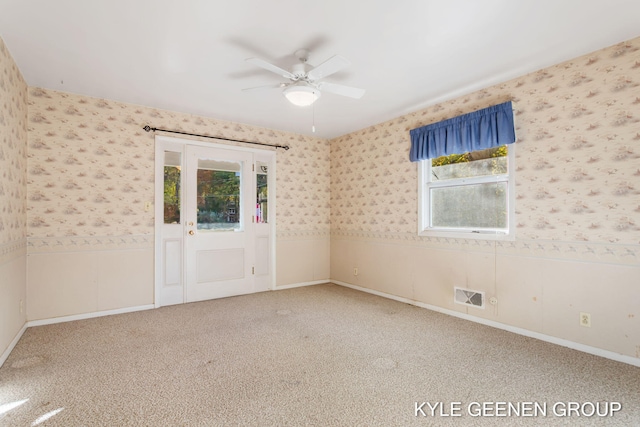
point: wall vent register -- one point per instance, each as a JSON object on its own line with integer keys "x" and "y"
{"x": 469, "y": 297}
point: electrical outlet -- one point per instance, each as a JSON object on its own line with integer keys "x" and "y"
{"x": 147, "y": 206}
{"x": 493, "y": 301}
{"x": 355, "y": 271}
{"x": 585, "y": 320}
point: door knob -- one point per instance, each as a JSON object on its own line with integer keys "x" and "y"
{"x": 191, "y": 233}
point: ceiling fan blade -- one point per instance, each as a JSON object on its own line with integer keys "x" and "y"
{"x": 278, "y": 86}
{"x": 270, "y": 67}
{"x": 328, "y": 67}
{"x": 351, "y": 92}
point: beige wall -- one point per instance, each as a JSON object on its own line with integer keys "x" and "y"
{"x": 577, "y": 246}
{"x": 13, "y": 198}
{"x": 90, "y": 172}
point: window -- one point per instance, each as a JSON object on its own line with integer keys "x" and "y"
{"x": 465, "y": 178}
{"x": 468, "y": 195}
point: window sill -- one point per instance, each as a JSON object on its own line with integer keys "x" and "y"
{"x": 498, "y": 236}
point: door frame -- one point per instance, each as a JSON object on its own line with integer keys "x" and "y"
{"x": 163, "y": 143}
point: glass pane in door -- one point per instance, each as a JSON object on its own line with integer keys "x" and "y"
{"x": 262, "y": 196}
{"x": 219, "y": 196}
{"x": 172, "y": 187}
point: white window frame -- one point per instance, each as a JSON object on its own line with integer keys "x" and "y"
{"x": 424, "y": 202}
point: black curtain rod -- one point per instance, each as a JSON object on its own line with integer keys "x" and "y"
{"x": 149, "y": 129}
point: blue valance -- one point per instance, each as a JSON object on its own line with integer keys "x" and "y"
{"x": 479, "y": 130}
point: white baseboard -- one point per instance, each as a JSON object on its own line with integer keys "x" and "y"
{"x": 88, "y": 315}
{"x": 527, "y": 333}
{"x": 297, "y": 285}
{"x": 9, "y": 349}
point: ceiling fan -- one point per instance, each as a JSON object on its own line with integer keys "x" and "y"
{"x": 305, "y": 86}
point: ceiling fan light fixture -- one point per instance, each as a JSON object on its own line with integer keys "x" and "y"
{"x": 301, "y": 95}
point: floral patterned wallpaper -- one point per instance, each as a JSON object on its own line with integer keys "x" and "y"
{"x": 578, "y": 155}
{"x": 91, "y": 167}
{"x": 13, "y": 150}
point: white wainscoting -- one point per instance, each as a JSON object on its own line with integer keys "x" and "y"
{"x": 13, "y": 295}
{"x": 75, "y": 276}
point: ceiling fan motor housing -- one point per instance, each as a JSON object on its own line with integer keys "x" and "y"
{"x": 299, "y": 71}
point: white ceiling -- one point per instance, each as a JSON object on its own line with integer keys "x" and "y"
{"x": 188, "y": 55}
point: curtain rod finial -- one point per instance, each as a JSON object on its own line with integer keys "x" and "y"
{"x": 147, "y": 128}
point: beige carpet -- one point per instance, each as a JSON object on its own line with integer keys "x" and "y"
{"x": 318, "y": 356}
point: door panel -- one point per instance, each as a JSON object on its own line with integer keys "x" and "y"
{"x": 264, "y": 218}
{"x": 219, "y": 236}
{"x": 262, "y": 255}
{"x": 173, "y": 264}
{"x": 221, "y": 264}
{"x": 169, "y": 195}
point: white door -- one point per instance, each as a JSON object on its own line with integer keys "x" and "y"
{"x": 214, "y": 221}
{"x": 219, "y": 236}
